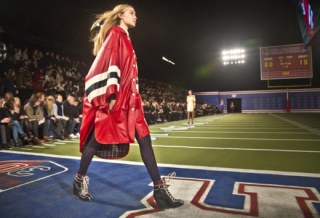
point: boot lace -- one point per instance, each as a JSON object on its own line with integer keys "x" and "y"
{"x": 166, "y": 180}
{"x": 169, "y": 177}
{"x": 84, "y": 185}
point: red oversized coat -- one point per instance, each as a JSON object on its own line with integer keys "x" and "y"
{"x": 114, "y": 71}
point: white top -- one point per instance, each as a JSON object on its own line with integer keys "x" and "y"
{"x": 191, "y": 102}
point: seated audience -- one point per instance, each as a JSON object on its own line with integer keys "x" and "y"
{"x": 70, "y": 110}
{"x": 55, "y": 124}
{"x": 33, "y": 111}
{"x": 58, "y": 112}
{"x": 15, "y": 125}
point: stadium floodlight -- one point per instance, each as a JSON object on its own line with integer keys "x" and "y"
{"x": 233, "y": 56}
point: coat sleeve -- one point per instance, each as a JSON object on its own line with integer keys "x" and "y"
{"x": 29, "y": 112}
{"x": 104, "y": 76}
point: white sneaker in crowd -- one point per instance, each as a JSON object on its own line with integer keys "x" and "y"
{"x": 72, "y": 136}
{"x": 78, "y": 135}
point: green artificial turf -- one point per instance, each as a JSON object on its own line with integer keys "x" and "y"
{"x": 244, "y": 141}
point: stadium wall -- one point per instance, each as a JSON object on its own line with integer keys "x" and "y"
{"x": 266, "y": 101}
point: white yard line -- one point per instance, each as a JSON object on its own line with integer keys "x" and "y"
{"x": 317, "y": 175}
{"x": 234, "y": 127}
{"x": 238, "y": 127}
{"x": 50, "y": 145}
{"x": 36, "y": 146}
{"x": 65, "y": 141}
{"x": 236, "y": 149}
{"x": 253, "y": 139}
{"x": 308, "y": 128}
{"x": 214, "y": 131}
{"x": 26, "y": 149}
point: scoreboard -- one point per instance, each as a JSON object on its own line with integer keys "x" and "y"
{"x": 286, "y": 62}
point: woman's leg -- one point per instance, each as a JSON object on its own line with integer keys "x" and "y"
{"x": 188, "y": 116}
{"x": 87, "y": 154}
{"x": 81, "y": 181}
{"x": 192, "y": 115}
{"x": 18, "y": 126}
{"x": 161, "y": 193}
{"x": 148, "y": 157}
{"x": 14, "y": 130}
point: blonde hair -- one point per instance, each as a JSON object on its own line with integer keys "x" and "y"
{"x": 17, "y": 99}
{"x": 109, "y": 19}
{"x": 48, "y": 104}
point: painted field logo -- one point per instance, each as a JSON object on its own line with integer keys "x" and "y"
{"x": 16, "y": 173}
{"x": 247, "y": 200}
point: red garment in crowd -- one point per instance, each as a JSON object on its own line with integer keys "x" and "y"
{"x": 114, "y": 70}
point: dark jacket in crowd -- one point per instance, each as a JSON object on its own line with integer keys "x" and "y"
{"x": 70, "y": 110}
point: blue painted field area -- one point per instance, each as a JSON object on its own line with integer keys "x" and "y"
{"x": 41, "y": 186}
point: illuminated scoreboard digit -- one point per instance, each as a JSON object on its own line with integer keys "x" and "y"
{"x": 286, "y": 62}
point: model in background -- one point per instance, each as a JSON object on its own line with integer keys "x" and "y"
{"x": 232, "y": 107}
{"x": 221, "y": 106}
{"x": 191, "y": 105}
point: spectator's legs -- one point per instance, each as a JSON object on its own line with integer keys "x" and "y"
{"x": 16, "y": 128}
{"x": 73, "y": 126}
{"x": 45, "y": 126}
{"x": 26, "y": 125}
{"x": 59, "y": 128}
{"x": 3, "y": 134}
{"x": 64, "y": 127}
{"x": 68, "y": 127}
{"x": 78, "y": 126}
{"x": 35, "y": 128}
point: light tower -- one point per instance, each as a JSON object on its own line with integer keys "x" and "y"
{"x": 233, "y": 56}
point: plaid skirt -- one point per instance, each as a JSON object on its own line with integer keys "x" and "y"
{"x": 107, "y": 151}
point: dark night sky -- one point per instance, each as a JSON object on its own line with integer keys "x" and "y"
{"x": 190, "y": 33}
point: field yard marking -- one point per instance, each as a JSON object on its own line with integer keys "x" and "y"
{"x": 174, "y": 128}
{"x": 195, "y": 123}
{"x": 217, "y": 127}
{"x": 36, "y": 146}
{"x": 236, "y": 149}
{"x": 50, "y": 145}
{"x": 316, "y": 175}
{"x": 310, "y": 129}
{"x": 302, "y": 133}
{"x": 65, "y": 141}
{"x": 254, "y": 139}
{"x": 240, "y": 124}
{"x": 153, "y": 134}
{"x": 26, "y": 149}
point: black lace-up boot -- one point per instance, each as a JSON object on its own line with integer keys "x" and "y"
{"x": 80, "y": 188}
{"x": 163, "y": 197}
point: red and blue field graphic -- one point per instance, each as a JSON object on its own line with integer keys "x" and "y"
{"x": 41, "y": 186}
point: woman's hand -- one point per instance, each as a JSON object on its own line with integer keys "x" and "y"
{"x": 5, "y": 120}
{"x": 111, "y": 104}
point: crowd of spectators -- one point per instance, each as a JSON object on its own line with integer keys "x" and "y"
{"x": 54, "y": 109}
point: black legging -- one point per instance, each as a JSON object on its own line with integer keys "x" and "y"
{"x": 36, "y": 126}
{"x": 146, "y": 152}
{"x": 3, "y": 134}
